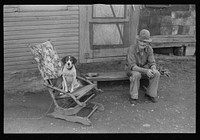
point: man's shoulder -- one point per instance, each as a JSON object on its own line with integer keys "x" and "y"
{"x": 150, "y": 48}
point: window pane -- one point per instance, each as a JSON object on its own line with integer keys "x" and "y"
{"x": 101, "y": 10}
{"x": 107, "y": 34}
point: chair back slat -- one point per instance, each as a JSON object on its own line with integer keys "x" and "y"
{"x": 47, "y": 59}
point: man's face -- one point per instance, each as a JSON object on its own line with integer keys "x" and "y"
{"x": 142, "y": 44}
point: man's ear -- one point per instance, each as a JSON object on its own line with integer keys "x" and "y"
{"x": 74, "y": 60}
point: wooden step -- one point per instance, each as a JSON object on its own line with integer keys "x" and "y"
{"x": 109, "y": 76}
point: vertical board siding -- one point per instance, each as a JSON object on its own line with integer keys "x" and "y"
{"x": 22, "y": 28}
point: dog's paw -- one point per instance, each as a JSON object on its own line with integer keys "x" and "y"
{"x": 60, "y": 94}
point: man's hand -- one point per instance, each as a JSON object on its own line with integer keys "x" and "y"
{"x": 150, "y": 73}
{"x": 153, "y": 68}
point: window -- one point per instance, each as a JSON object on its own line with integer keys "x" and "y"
{"x": 108, "y": 26}
{"x": 107, "y": 35}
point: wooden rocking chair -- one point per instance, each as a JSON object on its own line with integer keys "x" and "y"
{"x": 75, "y": 106}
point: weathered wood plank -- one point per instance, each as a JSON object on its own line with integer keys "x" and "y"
{"x": 31, "y": 8}
{"x": 176, "y": 44}
{"x": 110, "y": 76}
{"x": 42, "y": 31}
{"x": 24, "y": 66}
{"x": 26, "y": 51}
{"x": 134, "y": 22}
{"x": 84, "y": 49}
{"x": 18, "y": 37}
{"x": 10, "y": 9}
{"x": 67, "y": 47}
{"x": 9, "y": 6}
{"x": 63, "y": 54}
{"x": 16, "y": 50}
{"x": 109, "y": 21}
{"x": 25, "y": 45}
{"x": 16, "y": 56}
{"x": 11, "y": 59}
{"x": 33, "y": 18}
{"x": 10, "y": 72}
{"x": 162, "y": 41}
{"x": 19, "y": 61}
{"x": 38, "y": 27}
{"x": 165, "y": 40}
{"x": 61, "y": 47}
{"x": 28, "y": 60}
{"x": 39, "y": 39}
{"x": 40, "y": 22}
{"x": 72, "y": 8}
{"x": 40, "y": 13}
{"x": 20, "y": 68}
{"x": 117, "y": 58}
{"x": 173, "y": 36}
{"x": 68, "y": 52}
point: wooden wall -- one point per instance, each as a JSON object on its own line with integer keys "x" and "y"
{"x": 25, "y": 26}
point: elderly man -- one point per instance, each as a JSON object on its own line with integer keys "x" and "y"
{"x": 141, "y": 62}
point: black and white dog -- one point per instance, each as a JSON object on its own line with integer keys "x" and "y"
{"x": 69, "y": 74}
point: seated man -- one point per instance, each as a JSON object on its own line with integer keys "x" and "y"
{"x": 141, "y": 62}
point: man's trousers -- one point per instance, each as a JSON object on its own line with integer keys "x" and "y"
{"x": 135, "y": 84}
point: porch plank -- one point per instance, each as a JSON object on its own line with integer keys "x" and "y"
{"x": 109, "y": 76}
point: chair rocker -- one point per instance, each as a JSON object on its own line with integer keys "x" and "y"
{"x": 75, "y": 106}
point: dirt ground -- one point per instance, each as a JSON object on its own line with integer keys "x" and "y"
{"x": 175, "y": 111}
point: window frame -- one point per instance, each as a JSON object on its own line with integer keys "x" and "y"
{"x": 110, "y": 20}
{"x": 124, "y": 17}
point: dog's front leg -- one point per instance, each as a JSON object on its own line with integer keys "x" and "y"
{"x": 72, "y": 89}
{"x": 65, "y": 88}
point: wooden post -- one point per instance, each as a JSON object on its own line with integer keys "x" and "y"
{"x": 134, "y": 21}
{"x": 84, "y": 46}
{"x": 82, "y": 42}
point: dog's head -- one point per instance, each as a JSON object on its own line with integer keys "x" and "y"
{"x": 69, "y": 61}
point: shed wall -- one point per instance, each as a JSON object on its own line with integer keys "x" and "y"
{"x": 24, "y": 27}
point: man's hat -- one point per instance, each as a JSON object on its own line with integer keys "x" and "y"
{"x": 144, "y": 36}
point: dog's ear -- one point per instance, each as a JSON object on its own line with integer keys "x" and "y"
{"x": 74, "y": 60}
{"x": 63, "y": 60}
